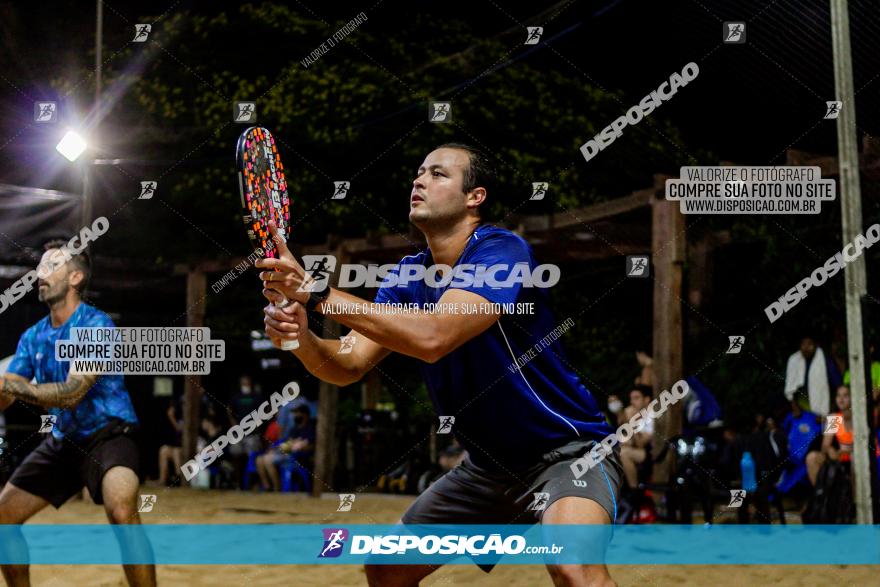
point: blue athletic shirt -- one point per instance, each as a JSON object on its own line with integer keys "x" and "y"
{"x": 506, "y": 418}
{"x": 35, "y": 357}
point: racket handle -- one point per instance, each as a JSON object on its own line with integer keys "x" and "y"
{"x": 287, "y": 345}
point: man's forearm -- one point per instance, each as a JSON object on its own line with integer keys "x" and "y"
{"x": 415, "y": 334}
{"x": 322, "y": 359}
{"x": 48, "y": 395}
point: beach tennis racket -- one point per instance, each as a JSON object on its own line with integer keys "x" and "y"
{"x": 264, "y": 196}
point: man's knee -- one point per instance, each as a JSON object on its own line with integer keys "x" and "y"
{"x": 581, "y": 575}
{"x": 121, "y": 513}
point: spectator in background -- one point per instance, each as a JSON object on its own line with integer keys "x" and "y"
{"x": 615, "y": 407}
{"x": 286, "y": 414}
{"x": 211, "y": 426}
{"x": 875, "y": 383}
{"x": 170, "y": 449}
{"x": 635, "y": 450}
{"x": 243, "y": 403}
{"x": 766, "y": 442}
{"x": 802, "y": 429}
{"x": 299, "y": 442}
{"x": 809, "y": 375}
{"x": 842, "y": 436}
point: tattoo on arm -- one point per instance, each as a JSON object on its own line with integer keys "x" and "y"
{"x": 50, "y": 395}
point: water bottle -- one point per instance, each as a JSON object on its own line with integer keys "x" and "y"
{"x": 747, "y": 465}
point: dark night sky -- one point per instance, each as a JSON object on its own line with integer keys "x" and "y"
{"x": 749, "y": 103}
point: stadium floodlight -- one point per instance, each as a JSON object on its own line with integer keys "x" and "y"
{"x": 72, "y": 145}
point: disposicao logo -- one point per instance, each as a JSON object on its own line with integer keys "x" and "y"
{"x": 334, "y": 540}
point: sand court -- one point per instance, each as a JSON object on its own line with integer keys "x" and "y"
{"x": 191, "y": 506}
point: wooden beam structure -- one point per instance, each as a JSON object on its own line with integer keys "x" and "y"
{"x": 328, "y": 401}
{"x": 192, "y": 384}
{"x": 667, "y": 253}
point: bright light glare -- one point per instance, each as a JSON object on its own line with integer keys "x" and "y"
{"x": 71, "y": 146}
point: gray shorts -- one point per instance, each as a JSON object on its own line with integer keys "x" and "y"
{"x": 469, "y": 494}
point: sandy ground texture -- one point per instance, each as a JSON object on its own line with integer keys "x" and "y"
{"x": 189, "y": 506}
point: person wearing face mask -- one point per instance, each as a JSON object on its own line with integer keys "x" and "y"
{"x": 615, "y": 408}
{"x": 302, "y": 436}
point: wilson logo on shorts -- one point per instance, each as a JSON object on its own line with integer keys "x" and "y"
{"x": 334, "y": 540}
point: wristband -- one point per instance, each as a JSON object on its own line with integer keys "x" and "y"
{"x": 315, "y": 298}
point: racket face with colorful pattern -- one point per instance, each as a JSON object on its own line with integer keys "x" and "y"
{"x": 263, "y": 188}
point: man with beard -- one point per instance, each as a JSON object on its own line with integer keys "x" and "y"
{"x": 91, "y": 441}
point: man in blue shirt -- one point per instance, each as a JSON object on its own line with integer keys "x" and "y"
{"x": 90, "y": 443}
{"x": 519, "y": 408}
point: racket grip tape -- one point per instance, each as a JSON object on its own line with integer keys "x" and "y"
{"x": 287, "y": 345}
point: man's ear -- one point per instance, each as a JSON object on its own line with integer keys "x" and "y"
{"x": 476, "y": 198}
{"x": 75, "y": 278}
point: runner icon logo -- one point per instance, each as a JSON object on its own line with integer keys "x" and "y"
{"x": 446, "y": 423}
{"x": 334, "y": 540}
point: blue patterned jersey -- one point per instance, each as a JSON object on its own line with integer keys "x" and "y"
{"x": 35, "y": 358}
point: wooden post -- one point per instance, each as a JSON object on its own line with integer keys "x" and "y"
{"x": 667, "y": 253}
{"x": 699, "y": 256}
{"x": 855, "y": 284}
{"x": 372, "y": 388}
{"x": 192, "y": 384}
{"x": 328, "y": 400}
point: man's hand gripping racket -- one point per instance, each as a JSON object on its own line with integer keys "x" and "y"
{"x": 286, "y": 282}
{"x": 266, "y": 207}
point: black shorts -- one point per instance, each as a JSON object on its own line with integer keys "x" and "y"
{"x": 58, "y": 469}
{"x": 469, "y": 494}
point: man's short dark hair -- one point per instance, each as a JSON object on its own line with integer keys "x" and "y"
{"x": 646, "y": 390}
{"x": 479, "y": 174}
{"x": 80, "y": 261}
